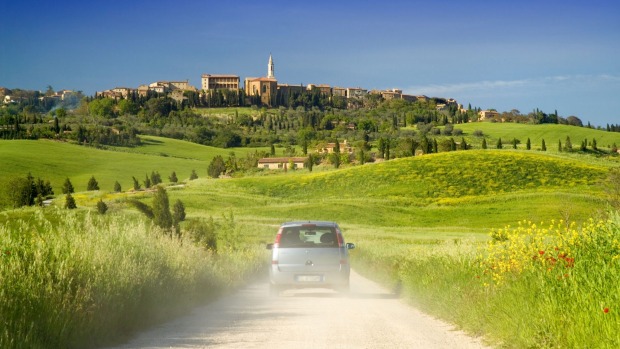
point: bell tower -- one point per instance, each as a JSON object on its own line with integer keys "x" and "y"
{"x": 270, "y": 68}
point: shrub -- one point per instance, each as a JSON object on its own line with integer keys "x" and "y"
{"x": 102, "y": 207}
{"x": 173, "y": 177}
{"x": 203, "y": 233}
{"x": 155, "y": 178}
{"x": 117, "y": 187}
{"x": 216, "y": 167}
{"x": 70, "y": 202}
{"x": 178, "y": 214}
{"x": 92, "y": 184}
{"x": 67, "y": 187}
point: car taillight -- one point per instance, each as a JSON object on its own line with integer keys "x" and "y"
{"x": 277, "y": 244}
{"x": 340, "y": 239}
{"x": 278, "y": 237}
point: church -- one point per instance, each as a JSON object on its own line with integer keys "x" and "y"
{"x": 265, "y": 87}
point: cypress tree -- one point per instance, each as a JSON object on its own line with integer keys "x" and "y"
{"x": 70, "y": 202}
{"x": 310, "y": 162}
{"x": 499, "y": 143}
{"x": 173, "y": 177}
{"x": 193, "y": 175}
{"x": 136, "y": 184}
{"x": 568, "y": 145}
{"x": 161, "y": 209}
{"x": 514, "y": 143}
{"x": 92, "y": 184}
{"x": 102, "y": 207}
{"x": 147, "y": 182}
{"x": 117, "y": 187}
{"x": 543, "y": 146}
{"x": 528, "y": 145}
{"x": 67, "y": 187}
{"x": 155, "y": 178}
{"x": 463, "y": 144}
{"x": 178, "y": 214}
{"x": 484, "y": 143}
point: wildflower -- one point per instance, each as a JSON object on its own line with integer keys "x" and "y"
{"x": 541, "y": 252}
{"x": 606, "y": 310}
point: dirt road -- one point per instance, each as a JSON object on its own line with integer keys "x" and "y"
{"x": 370, "y": 317}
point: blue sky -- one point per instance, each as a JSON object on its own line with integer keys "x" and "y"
{"x": 551, "y": 55}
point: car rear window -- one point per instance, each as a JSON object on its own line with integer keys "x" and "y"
{"x": 308, "y": 237}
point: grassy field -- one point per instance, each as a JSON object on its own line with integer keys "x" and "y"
{"x": 432, "y": 227}
{"x": 56, "y": 161}
{"x": 227, "y": 112}
{"x": 469, "y": 191}
{"x": 551, "y": 133}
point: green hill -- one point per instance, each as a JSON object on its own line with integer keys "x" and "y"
{"x": 55, "y": 161}
{"x": 457, "y": 191}
{"x": 551, "y": 133}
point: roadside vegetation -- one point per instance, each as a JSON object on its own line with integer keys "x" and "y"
{"x": 80, "y": 279}
{"x": 433, "y": 227}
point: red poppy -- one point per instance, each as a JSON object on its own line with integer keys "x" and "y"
{"x": 541, "y": 252}
{"x": 606, "y": 310}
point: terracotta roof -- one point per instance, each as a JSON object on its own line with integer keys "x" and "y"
{"x": 261, "y": 79}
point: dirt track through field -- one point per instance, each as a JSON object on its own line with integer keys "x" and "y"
{"x": 369, "y": 317}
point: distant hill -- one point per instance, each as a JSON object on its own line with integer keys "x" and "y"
{"x": 551, "y": 133}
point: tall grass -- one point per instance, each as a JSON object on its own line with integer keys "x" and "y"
{"x": 77, "y": 280}
{"x": 532, "y": 286}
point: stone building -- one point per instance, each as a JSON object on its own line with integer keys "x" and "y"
{"x": 265, "y": 87}
{"x": 220, "y": 82}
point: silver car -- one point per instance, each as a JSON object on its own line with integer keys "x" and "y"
{"x": 309, "y": 254}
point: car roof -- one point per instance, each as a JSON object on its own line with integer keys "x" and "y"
{"x": 319, "y": 223}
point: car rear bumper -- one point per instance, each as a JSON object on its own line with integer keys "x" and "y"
{"x": 301, "y": 279}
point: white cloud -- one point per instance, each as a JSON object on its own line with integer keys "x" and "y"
{"x": 449, "y": 89}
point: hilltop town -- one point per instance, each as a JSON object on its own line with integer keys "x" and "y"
{"x": 266, "y": 91}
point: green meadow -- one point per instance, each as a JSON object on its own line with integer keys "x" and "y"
{"x": 439, "y": 229}
{"x": 551, "y": 133}
{"x": 56, "y": 161}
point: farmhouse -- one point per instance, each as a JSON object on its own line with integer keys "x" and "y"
{"x": 281, "y": 163}
{"x": 329, "y": 148}
{"x": 487, "y": 114}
